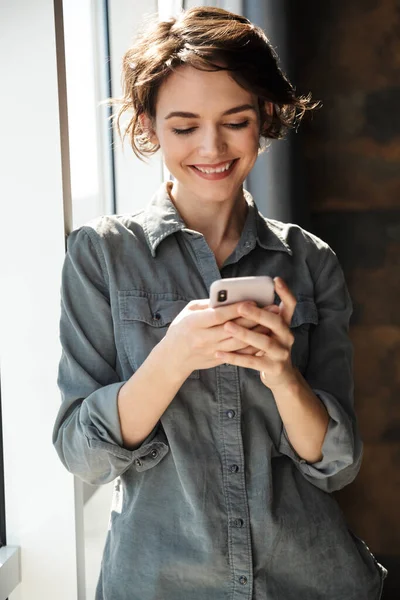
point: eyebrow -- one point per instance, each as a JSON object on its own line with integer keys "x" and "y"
{"x": 230, "y": 111}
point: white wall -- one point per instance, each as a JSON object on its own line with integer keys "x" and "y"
{"x": 39, "y": 492}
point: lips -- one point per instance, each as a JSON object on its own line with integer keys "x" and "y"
{"x": 213, "y": 166}
{"x": 220, "y": 165}
{"x": 214, "y": 172}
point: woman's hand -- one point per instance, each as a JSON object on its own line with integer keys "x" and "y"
{"x": 273, "y": 356}
{"x": 197, "y": 333}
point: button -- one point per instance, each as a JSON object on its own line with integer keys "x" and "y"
{"x": 154, "y": 453}
{"x": 247, "y": 244}
{"x": 243, "y": 580}
{"x": 138, "y": 462}
{"x": 230, "y": 414}
{"x": 238, "y": 523}
{"x": 234, "y": 468}
{"x": 302, "y": 461}
{"x": 157, "y": 316}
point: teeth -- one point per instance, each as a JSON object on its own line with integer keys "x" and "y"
{"x": 219, "y": 170}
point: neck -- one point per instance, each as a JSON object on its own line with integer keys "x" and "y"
{"x": 220, "y": 222}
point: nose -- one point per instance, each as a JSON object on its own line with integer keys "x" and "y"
{"x": 212, "y": 145}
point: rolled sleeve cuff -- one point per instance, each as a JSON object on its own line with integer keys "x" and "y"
{"x": 341, "y": 449}
{"x": 100, "y": 419}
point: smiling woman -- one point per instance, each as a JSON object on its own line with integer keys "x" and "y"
{"x": 180, "y": 82}
{"x": 226, "y": 429}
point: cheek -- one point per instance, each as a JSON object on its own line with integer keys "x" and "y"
{"x": 247, "y": 138}
{"x": 174, "y": 147}
{"x": 250, "y": 143}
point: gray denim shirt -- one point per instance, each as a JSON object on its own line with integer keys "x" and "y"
{"x": 215, "y": 504}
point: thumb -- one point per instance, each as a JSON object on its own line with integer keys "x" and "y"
{"x": 288, "y": 301}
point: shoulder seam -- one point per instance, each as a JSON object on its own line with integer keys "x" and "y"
{"x": 324, "y": 260}
{"x": 99, "y": 254}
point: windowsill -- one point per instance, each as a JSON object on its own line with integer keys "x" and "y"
{"x": 10, "y": 570}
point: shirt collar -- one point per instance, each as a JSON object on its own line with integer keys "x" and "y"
{"x": 161, "y": 219}
{"x": 266, "y": 232}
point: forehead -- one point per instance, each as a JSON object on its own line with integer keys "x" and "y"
{"x": 202, "y": 92}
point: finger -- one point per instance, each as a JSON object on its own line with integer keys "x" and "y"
{"x": 243, "y": 322}
{"x": 231, "y": 344}
{"x": 253, "y": 325}
{"x": 234, "y": 345}
{"x": 217, "y": 337}
{"x": 274, "y": 308}
{"x": 289, "y": 301}
{"x": 257, "y": 328}
{"x": 226, "y": 342}
{"x": 250, "y": 349}
{"x": 259, "y": 363}
{"x": 212, "y": 317}
{"x": 268, "y": 319}
{"x": 259, "y": 341}
{"x": 200, "y": 304}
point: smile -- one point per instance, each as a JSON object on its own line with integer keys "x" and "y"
{"x": 220, "y": 169}
{"x": 214, "y": 172}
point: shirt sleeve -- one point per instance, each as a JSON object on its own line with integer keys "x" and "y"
{"x": 329, "y": 373}
{"x": 87, "y": 434}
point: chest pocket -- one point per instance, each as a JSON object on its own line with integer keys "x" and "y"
{"x": 304, "y": 317}
{"x": 145, "y": 319}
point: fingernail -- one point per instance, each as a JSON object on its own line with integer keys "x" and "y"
{"x": 278, "y": 282}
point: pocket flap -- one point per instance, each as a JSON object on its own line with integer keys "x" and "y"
{"x": 153, "y": 310}
{"x": 305, "y": 312}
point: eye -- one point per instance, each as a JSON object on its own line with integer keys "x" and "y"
{"x": 189, "y": 130}
{"x": 183, "y": 131}
{"x": 238, "y": 125}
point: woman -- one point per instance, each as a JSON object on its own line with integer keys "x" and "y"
{"x": 226, "y": 429}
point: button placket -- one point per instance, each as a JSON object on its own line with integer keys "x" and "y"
{"x": 240, "y": 553}
{"x": 238, "y": 533}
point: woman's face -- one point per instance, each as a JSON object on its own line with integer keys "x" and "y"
{"x": 208, "y": 130}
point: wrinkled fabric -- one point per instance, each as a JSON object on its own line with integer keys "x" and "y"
{"x": 215, "y": 504}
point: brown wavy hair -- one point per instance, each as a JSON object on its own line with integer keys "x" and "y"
{"x": 206, "y": 38}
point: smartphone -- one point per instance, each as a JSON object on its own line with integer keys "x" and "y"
{"x": 237, "y": 289}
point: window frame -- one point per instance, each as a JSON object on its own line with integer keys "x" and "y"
{"x": 36, "y": 208}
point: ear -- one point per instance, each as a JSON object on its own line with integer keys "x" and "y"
{"x": 269, "y": 108}
{"x": 148, "y": 128}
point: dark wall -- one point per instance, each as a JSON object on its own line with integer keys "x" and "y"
{"x": 348, "y": 55}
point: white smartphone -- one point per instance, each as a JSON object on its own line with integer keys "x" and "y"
{"x": 259, "y": 289}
